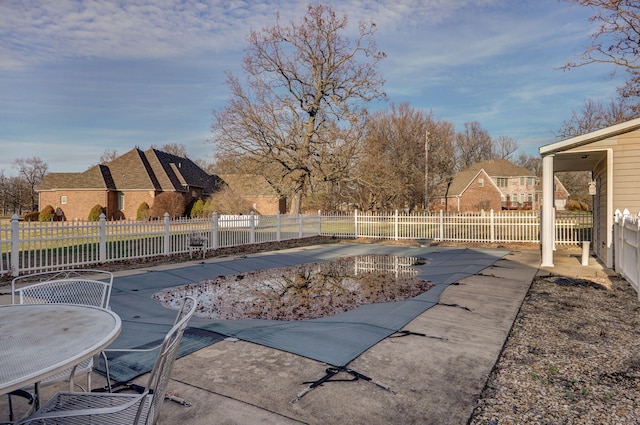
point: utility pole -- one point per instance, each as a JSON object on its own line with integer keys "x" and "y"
{"x": 426, "y": 171}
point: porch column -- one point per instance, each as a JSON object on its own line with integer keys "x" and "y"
{"x": 547, "y": 226}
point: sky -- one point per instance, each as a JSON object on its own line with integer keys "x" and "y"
{"x": 78, "y": 78}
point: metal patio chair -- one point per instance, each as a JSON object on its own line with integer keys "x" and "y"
{"x": 197, "y": 244}
{"x": 70, "y": 287}
{"x": 121, "y": 408}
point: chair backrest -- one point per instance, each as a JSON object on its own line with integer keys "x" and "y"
{"x": 161, "y": 372}
{"x": 72, "y": 291}
{"x": 91, "y": 274}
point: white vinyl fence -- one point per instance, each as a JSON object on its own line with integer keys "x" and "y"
{"x": 29, "y": 247}
{"x": 626, "y": 244}
{"x": 482, "y": 227}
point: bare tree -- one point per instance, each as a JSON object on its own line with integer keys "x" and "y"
{"x": 532, "y": 163}
{"x": 108, "y": 155}
{"x": 474, "y": 144}
{"x": 504, "y": 147}
{"x": 177, "y": 149}
{"x": 390, "y": 171}
{"x": 33, "y": 171}
{"x": 303, "y": 80}
{"x": 593, "y": 116}
{"x": 616, "y": 40}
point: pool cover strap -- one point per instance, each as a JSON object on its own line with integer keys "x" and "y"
{"x": 330, "y": 373}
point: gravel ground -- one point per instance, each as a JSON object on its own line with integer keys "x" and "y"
{"x": 573, "y": 357}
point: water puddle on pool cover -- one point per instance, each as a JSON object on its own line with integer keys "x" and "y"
{"x": 304, "y": 292}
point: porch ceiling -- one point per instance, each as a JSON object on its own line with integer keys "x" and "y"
{"x": 577, "y": 161}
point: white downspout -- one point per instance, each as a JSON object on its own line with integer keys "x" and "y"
{"x": 547, "y": 226}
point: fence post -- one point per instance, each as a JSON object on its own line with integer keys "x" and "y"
{"x": 493, "y": 226}
{"x": 300, "y": 226}
{"x": 355, "y": 225}
{"x": 637, "y": 245}
{"x": 215, "y": 231}
{"x": 617, "y": 241}
{"x": 167, "y": 234}
{"x": 396, "y": 226}
{"x": 102, "y": 244}
{"x": 15, "y": 246}
{"x": 278, "y": 227}
{"x": 252, "y": 228}
{"x": 441, "y": 225}
{"x": 319, "y": 223}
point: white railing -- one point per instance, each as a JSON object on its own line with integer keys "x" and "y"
{"x": 482, "y": 227}
{"x": 626, "y": 233}
{"x": 28, "y": 247}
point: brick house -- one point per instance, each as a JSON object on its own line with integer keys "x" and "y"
{"x": 257, "y": 191}
{"x": 122, "y": 185}
{"x": 492, "y": 185}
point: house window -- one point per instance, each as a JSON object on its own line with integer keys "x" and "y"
{"x": 530, "y": 197}
{"x": 121, "y": 201}
{"x": 522, "y": 197}
{"x": 442, "y": 201}
{"x": 503, "y": 182}
{"x": 529, "y": 181}
{"x": 480, "y": 182}
{"x": 63, "y": 199}
{"x": 521, "y": 181}
{"x": 536, "y": 197}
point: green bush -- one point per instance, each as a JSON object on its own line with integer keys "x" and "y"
{"x": 142, "y": 214}
{"x": 94, "y": 214}
{"x": 197, "y": 209}
{"x": 47, "y": 213}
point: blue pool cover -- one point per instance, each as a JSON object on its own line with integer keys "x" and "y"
{"x": 335, "y": 340}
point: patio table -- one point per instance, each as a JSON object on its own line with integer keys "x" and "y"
{"x": 40, "y": 340}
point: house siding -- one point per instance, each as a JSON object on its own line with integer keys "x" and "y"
{"x": 626, "y": 157}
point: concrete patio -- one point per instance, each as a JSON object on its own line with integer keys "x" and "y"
{"x": 434, "y": 378}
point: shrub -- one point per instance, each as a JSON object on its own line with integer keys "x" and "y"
{"x": 197, "y": 209}
{"x": 94, "y": 214}
{"x": 47, "y": 213}
{"x": 172, "y": 203}
{"x": 142, "y": 213}
{"x": 574, "y": 205}
{"x": 32, "y": 216}
{"x": 226, "y": 201}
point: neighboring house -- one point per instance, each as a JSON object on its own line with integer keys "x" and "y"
{"x": 122, "y": 185}
{"x": 256, "y": 191}
{"x": 491, "y": 185}
{"x": 611, "y": 155}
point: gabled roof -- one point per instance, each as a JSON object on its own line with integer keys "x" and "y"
{"x": 137, "y": 170}
{"x": 252, "y": 185}
{"x": 95, "y": 178}
{"x": 493, "y": 168}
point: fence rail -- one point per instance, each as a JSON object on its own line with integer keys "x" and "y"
{"x": 626, "y": 243}
{"x": 29, "y": 247}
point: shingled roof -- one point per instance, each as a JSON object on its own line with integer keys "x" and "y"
{"x": 137, "y": 170}
{"x": 249, "y": 185}
{"x": 97, "y": 177}
{"x": 493, "y": 168}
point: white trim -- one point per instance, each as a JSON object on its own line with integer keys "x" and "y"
{"x": 594, "y": 136}
{"x": 610, "y": 218}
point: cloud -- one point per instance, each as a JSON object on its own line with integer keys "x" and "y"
{"x": 38, "y": 31}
